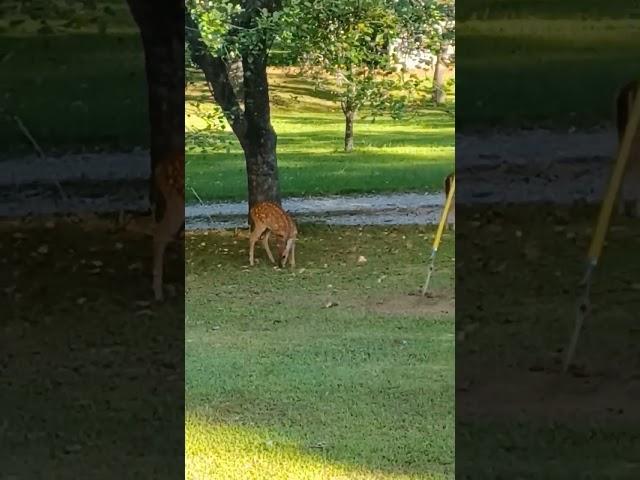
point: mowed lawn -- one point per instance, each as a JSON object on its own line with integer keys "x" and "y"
{"x": 413, "y": 154}
{"x": 517, "y": 415}
{"x": 558, "y": 63}
{"x": 76, "y": 90}
{"x": 334, "y": 370}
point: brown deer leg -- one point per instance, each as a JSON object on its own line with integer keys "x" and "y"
{"x": 165, "y": 232}
{"x": 265, "y": 244}
{"x": 257, "y": 232}
{"x": 292, "y": 262}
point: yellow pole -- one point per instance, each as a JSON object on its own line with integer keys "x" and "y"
{"x": 597, "y": 241}
{"x": 438, "y": 237}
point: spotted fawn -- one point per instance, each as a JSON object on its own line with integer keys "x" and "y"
{"x": 169, "y": 182}
{"x": 267, "y": 218}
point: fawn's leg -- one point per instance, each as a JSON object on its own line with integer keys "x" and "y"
{"x": 258, "y": 230}
{"x": 165, "y": 232}
{"x": 292, "y": 262}
{"x": 265, "y": 244}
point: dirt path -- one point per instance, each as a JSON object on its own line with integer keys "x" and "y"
{"x": 534, "y": 166}
{"x": 394, "y": 209}
{"x": 74, "y": 184}
{"x": 524, "y": 166}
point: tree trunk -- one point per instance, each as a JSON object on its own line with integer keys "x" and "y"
{"x": 161, "y": 27}
{"x": 262, "y": 170}
{"x": 252, "y": 126}
{"x": 260, "y": 140}
{"x": 439, "y": 94}
{"x": 349, "y": 117}
{"x": 236, "y": 76}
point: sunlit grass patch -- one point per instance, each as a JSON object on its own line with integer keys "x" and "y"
{"x": 412, "y": 154}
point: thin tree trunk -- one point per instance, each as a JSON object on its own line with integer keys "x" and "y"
{"x": 349, "y": 117}
{"x": 162, "y": 31}
{"x": 439, "y": 93}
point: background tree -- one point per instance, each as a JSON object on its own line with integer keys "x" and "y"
{"x": 348, "y": 40}
{"x": 429, "y": 25}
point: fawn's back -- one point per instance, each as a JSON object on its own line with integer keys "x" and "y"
{"x": 169, "y": 175}
{"x": 274, "y": 218}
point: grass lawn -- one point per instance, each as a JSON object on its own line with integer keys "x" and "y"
{"x": 516, "y": 327}
{"x": 560, "y": 63}
{"x": 73, "y": 90}
{"x": 329, "y": 371}
{"x": 85, "y": 352}
{"x": 390, "y": 156}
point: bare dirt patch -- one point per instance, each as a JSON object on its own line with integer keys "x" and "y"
{"x": 550, "y": 395}
{"x": 441, "y": 303}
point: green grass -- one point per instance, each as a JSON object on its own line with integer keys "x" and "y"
{"x": 73, "y": 90}
{"x": 545, "y": 424}
{"x": 390, "y": 156}
{"x": 544, "y": 64}
{"x": 279, "y": 386}
{"x": 486, "y": 9}
{"x": 85, "y": 351}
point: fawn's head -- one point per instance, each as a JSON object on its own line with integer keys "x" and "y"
{"x": 284, "y": 249}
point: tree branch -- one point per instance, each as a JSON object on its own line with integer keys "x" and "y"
{"x": 217, "y": 77}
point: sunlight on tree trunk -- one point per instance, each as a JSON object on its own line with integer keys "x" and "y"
{"x": 348, "y": 130}
{"x": 439, "y": 93}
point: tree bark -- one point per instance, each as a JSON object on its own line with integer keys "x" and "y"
{"x": 236, "y": 75}
{"x": 251, "y": 125}
{"x": 349, "y": 117}
{"x": 260, "y": 138}
{"x": 161, "y": 27}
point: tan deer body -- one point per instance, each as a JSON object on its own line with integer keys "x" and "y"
{"x": 451, "y": 218}
{"x": 267, "y": 218}
{"x": 629, "y": 203}
{"x": 169, "y": 182}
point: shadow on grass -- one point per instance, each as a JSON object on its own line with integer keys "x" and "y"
{"x": 557, "y": 78}
{"x": 84, "y": 354}
{"x": 390, "y": 156}
{"x": 513, "y": 400}
{"x": 551, "y": 9}
{"x": 223, "y": 177}
{"x": 57, "y": 85}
